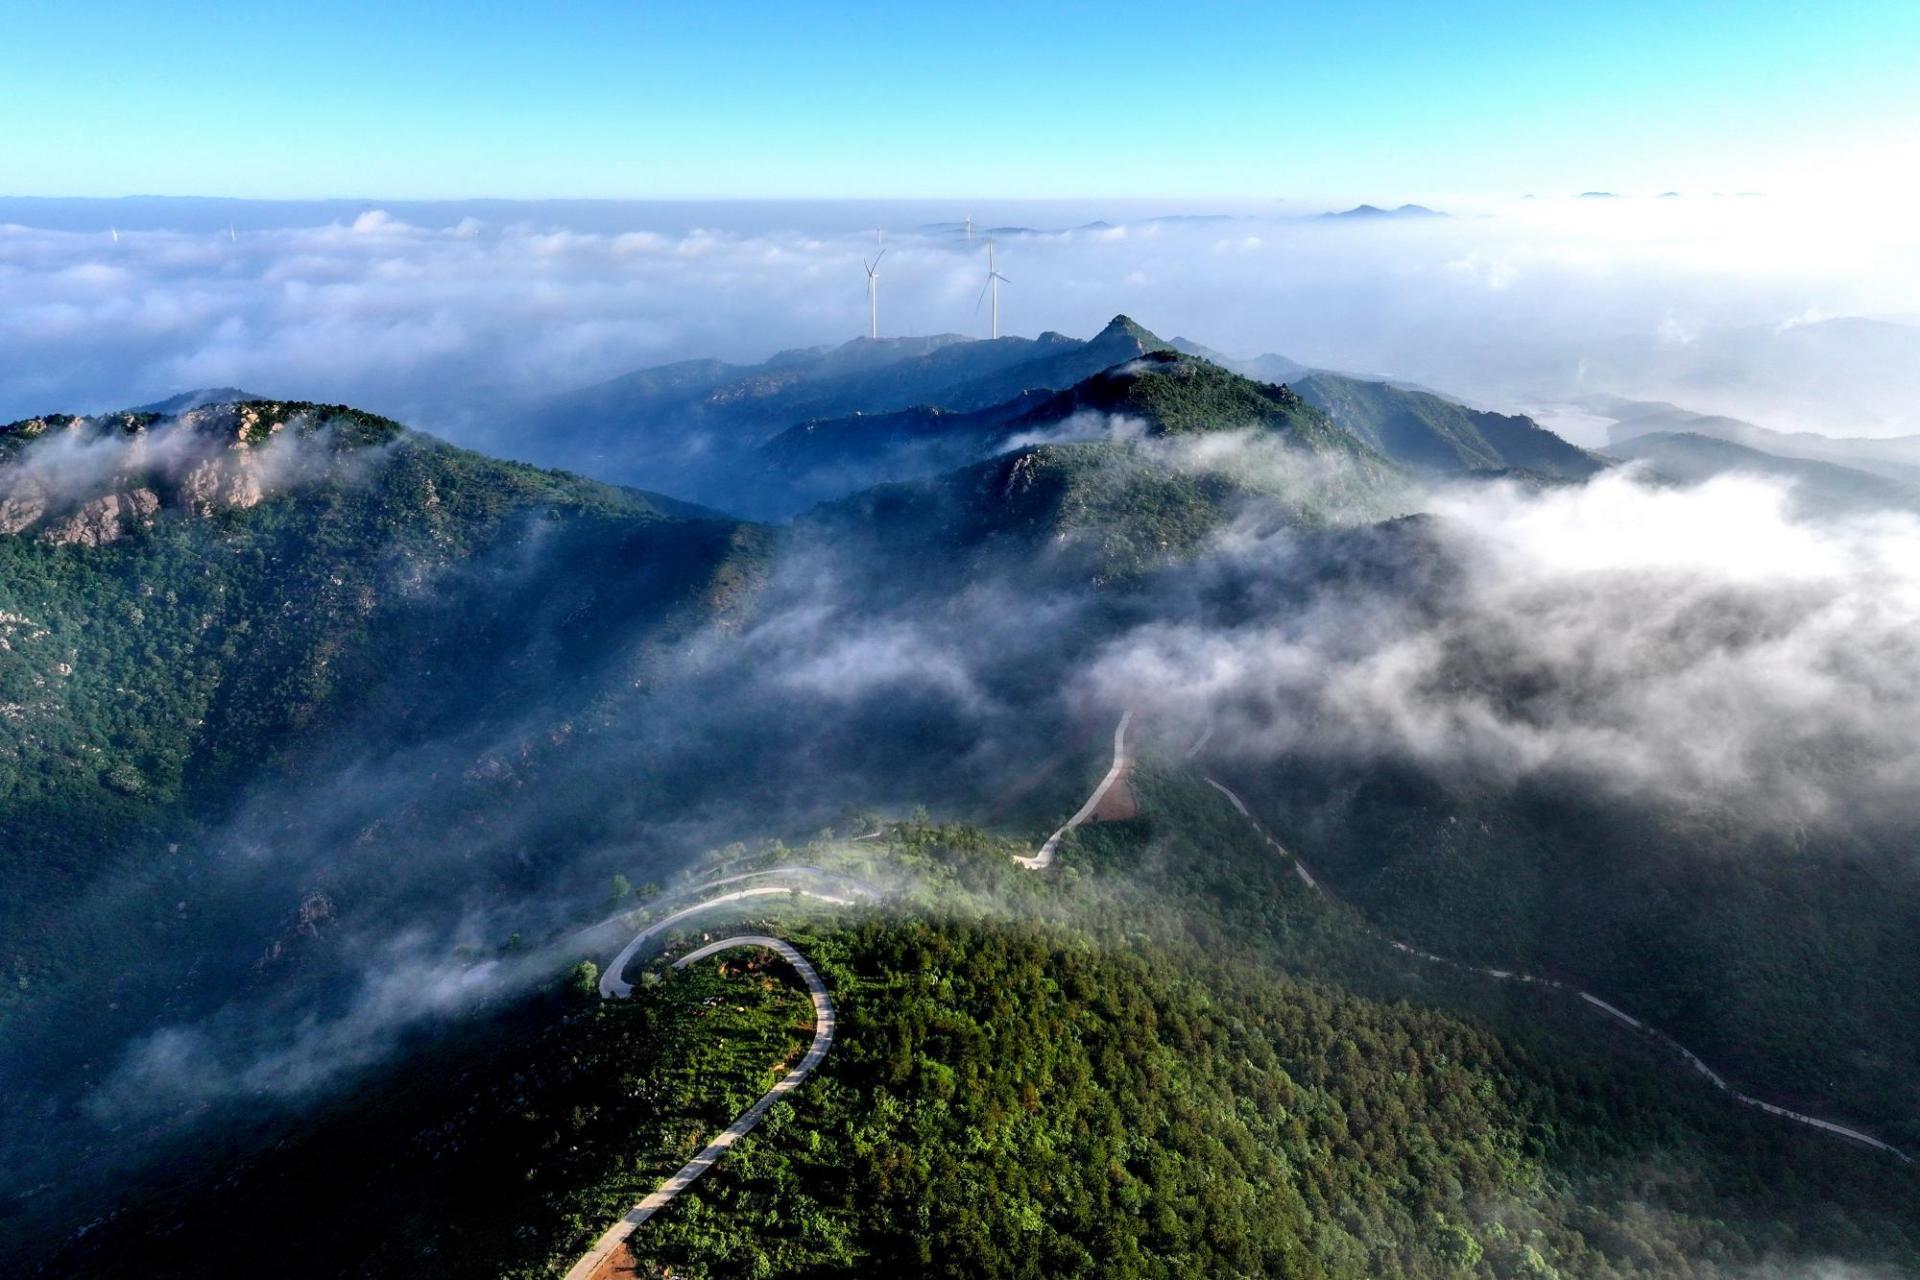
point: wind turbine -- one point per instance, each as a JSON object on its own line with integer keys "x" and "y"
{"x": 231, "y": 233}
{"x": 969, "y": 226}
{"x": 994, "y": 281}
{"x": 115, "y": 231}
{"x": 873, "y": 286}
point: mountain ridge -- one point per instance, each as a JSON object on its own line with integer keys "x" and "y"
{"x": 1822, "y": 488}
{"x": 1432, "y": 433}
{"x": 1893, "y": 457}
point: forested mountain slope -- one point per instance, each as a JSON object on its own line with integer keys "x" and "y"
{"x": 183, "y": 602}
{"x": 1160, "y": 394}
{"x": 1431, "y": 433}
{"x": 688, "y": 428}
{"x": 1116, "y": 1072}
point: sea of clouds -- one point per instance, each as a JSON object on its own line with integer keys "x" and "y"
{"x": 435, "y": 315}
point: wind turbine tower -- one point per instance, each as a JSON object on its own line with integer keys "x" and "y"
{"x": 994, "y": 281}
{"x": 968, "y": 223}
{"x": 873, "y": 286}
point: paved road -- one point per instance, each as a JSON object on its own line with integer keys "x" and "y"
{"x": 1043, "y": 859}
{"x": 823, "y": 1026}
{"x": 1612, "y": 1011}
{"x": 585, "y": 936}
{"x": 612, "y": 984}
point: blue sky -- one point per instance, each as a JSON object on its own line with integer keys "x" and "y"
{"x": 1195, "y": 99}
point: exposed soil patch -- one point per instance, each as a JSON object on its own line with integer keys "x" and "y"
{"x": 1118, "y": 803}
{"x": 618, "y": 1265}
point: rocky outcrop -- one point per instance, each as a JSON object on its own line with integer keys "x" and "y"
{"x": 103, "y": 519}
{"x": 231, "y": 482}
{"x": 89, "y": 481}
{"x": 18, "y": 627}
{"x": 22, "y": 508}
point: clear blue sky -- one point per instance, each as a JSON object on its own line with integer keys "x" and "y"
{"x": 1195, "y": 99}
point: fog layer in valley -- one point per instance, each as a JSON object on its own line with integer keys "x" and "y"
{"x": 1701, "y": 648}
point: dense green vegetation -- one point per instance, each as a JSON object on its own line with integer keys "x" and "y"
{"x": 1178, "y": 394}
{"x": 1007, "y": 1102}
{"x": 510, "y": 1139}
{"x": 1148, "y": 386}
{"x": 1786, "y": 958}
{"x": 1114, "y": 1080}
{"x": 1112, "y": 511}
{"x": 1057, "y": 362}
{"x": 1047, "y": 509}
{"x": 412, "y": 582}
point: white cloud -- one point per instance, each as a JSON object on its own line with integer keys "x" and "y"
{"x": 378, "y": 222}
{"x": 438, "y": 322}
{"x": 1698, "y": 646}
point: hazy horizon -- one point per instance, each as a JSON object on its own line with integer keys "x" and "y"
{"x": 433, "y": 311}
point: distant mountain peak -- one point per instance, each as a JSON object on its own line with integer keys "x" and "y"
{"x": 1366, "y": 211}
{"x": 196, "y": 399}
{"x": 1125, "y": 329}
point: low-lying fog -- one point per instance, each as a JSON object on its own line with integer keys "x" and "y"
{"x": 1794, "y": 316}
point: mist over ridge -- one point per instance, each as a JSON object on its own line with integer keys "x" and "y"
{"x": 1748, "y": 307}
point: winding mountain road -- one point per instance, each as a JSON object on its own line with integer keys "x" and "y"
{"x": 1043, "y": 858}
{"x": 1618, "y": 1014}
{"x": 612, "y": 985}
{"x": 590, "y": 936}
{"x": 823, "y": 1027}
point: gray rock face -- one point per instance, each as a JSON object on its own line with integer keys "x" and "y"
{"x": 22, "y": 508}
{"x": 89, "y": 481}
{"x": 230, "y": 481}
{"x": 104, "y": 519}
